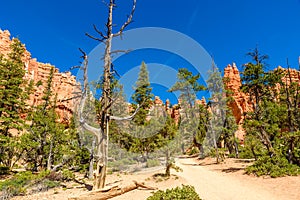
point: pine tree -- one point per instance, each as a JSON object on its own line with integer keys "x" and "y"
{"x": 12, "y": 101}
{"x": 290, "y": 123}
{"x": 102, "y": 133}
{"x": 49, "y": 144}
{"x": 145, "y": 132}
{"x": 261, "y": 88}
{"x": 142, "y": 95}
{"x": 188, "y": 85}
{"x": 217, "y": 106}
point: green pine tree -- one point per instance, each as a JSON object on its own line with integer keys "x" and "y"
{"x": 217, "y": 106}
{"x": 49, "y": 144}
{"x": 13, "y": 94}
{"x": 142, "y": 95}
{"x": 261, "y": 88}
{"x": 145, "y": 133}
{"x": 188, "y": 85}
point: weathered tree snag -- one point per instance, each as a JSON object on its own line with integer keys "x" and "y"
{"x": 102, "y": 133}
{"x": 111, "y": 192}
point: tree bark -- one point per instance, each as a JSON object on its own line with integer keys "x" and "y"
{"x": 100, "y": 195}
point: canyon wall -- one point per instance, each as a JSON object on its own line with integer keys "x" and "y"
{"x": 64, "y": 87}
{"x": 63, "y": 84}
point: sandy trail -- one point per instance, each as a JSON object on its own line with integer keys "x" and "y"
{"x": 214, "y": 185}
{"x": 225, "y": 181}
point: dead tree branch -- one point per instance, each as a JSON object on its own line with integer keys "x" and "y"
{"x": 108, "y": 193}
{"x": 129, "y": 20}
{"x": 127, "y": 117}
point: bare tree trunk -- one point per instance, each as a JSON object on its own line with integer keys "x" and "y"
{"x": 106, "y": 100}
{"x": 236, "y": 148}
{"x": 49, "y": 163}
{"x": 168, "y": 163}
{"x": 91, "y": 164}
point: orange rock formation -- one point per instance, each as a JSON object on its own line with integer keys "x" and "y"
{"x": 63, "y": 84}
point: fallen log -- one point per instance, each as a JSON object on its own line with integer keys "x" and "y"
{"x": 112, "y": 192}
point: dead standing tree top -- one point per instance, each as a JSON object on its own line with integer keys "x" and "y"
{"x": 106, "y": 101}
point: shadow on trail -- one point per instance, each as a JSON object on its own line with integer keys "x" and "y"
{"x": 87, "y": 186}
{"x": 232, "y": 169}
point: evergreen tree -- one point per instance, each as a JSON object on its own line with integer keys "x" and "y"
{"x": 149, "y": 121}
{"x": 13, "y": 94}
{"x": 217, "y": 106}
{"x": 170, "y": 142}
{"x": 261, "y": 87}
{"x": 142, "y": 95}
{"x": 202, "y": 129}
{"x": 49, "y": 144}
{"x": 188, "y": 85}
{"x": 290, "y": 123}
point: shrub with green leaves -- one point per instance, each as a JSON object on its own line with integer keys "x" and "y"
{"x": 16, "y": 184}
{"x": 152, "y": 163}
{"x": 186, "y": 192}
{"x": 67, "y": 175}
{"x": 274, "y": 167}
{"x": 23, "y": 182}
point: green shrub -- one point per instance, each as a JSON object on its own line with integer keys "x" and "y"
{"x": 193, "y": 151}
{"x": 50, "y": 184}
{"x": 186, "y": 192}
{"x": 23, "y": 181}
{"x": 67, "y": 175}
{"x": 121, "y": 165}
{"x": 245, "y": 153}
{"x": 274, "y": 167}
{"x": 152, "y": 163}
{"x": 16, "y": 184}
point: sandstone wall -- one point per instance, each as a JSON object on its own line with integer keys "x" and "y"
{"x": 63, "y": 82}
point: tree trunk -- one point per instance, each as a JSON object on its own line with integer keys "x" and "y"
{"x": 236, "y": 148}
{"x": 100, "y": 175}
{"x": 91, "y": 164}
{"x": 49, "y": 163}
{"x": 168, "y": 163}
{"x": 112, "y": 192}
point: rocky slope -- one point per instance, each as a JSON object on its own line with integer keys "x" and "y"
{"x": 63, "y": 83}
{"x": 64, "y": 86}
{"x": 241, "y": 102}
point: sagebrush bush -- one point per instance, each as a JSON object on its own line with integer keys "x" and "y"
{"x": 186, "y": 192}
{"x": 274, "y": 167}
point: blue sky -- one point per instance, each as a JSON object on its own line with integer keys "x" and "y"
{"x": 54, "y": 30}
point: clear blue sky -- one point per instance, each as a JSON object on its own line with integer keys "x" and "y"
{"x": 54, "y": 30}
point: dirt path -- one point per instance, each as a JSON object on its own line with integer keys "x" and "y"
{"x": 212, "y": 184}
{"x": 212, "y": 181}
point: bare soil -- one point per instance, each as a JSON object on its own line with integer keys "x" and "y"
{"x": 212, "y": 182}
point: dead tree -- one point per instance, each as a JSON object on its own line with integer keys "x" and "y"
{"x": 106, "y": 99}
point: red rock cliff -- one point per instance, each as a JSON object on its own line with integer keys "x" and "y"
{"x": 240, "y": 102}
{"x": 62, "y": 86}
